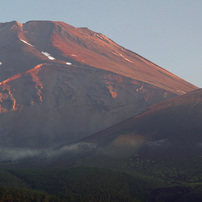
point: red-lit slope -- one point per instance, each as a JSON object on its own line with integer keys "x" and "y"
{"x": 22, "y": 47}
{"x": 15, "y": 55}
{"x": 95, "y": 49}
{"x": 59, "y": 83}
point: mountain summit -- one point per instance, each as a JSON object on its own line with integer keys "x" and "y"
{"x": 59, "y": 83}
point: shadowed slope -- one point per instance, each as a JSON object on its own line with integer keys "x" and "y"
{"x": 53, "y": 104}
{"x": 177, "y": 120}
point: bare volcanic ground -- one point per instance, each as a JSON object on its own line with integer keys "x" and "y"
{"x": 23, "y": 46}
{"x": 171, "y": 127}
{"x": 53, "y": 104}
{"x": 59, "y": 84}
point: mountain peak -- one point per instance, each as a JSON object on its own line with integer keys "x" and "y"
{"x": 61, "y": 83}
{"x": 11, "y": 23}
{"x": 90, "y": 48}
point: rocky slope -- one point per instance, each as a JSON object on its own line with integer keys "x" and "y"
{"x": 59, "y": 84}
{"x": 171, "y": 127}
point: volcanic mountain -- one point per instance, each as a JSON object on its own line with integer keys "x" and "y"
{"x": 59, "y": 83}
{"x": 173, "y": 126}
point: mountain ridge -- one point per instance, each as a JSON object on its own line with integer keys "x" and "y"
{"x": 176, "y": 119}
{"x": 62, "y": 30}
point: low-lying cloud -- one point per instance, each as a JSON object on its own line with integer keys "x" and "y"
{"x": 74, "y": 148}
{"x": 15, "y": 154}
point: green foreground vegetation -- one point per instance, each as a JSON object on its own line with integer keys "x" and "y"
{"x": 151, "y": 180}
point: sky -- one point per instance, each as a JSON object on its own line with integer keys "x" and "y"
{"x": 167, "y": 32}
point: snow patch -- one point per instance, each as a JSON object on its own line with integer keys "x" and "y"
{"x": 115, "y": 53}
{"x": 48, "y": 55}
{"x": 1, "y": 63}
{"x": 181, "y": 92}
{"x": 125, "y": 58}
{"x": 73, "y": 55}
{"x": 26, "y": 42}
{"x": 68, "y": 63}
{"x": 128, "y": 60}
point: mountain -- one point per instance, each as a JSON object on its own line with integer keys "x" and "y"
{"x": 59, "y": 83}
{"x": 170, "y": 127}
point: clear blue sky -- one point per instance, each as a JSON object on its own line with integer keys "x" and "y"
{"x": 167, "y": 32}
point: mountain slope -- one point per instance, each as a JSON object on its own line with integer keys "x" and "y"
{"x": 60, "y": 83}
{"x": 26, "y": 42}
{"x": 94, "y": 49}
{"x": 170, "y": 124}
